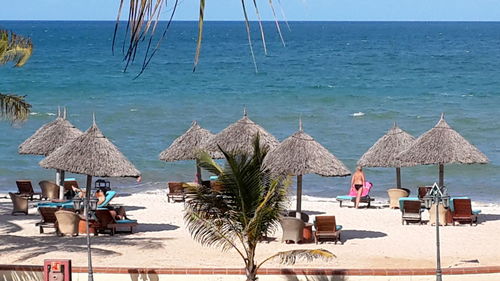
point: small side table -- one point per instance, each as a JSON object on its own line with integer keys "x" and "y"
{"x": 307, "y": 233}
{"x": 82, "y": 229}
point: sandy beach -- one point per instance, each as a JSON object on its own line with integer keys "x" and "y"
{"x": 372, "y": 238}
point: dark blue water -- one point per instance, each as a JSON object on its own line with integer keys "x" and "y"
{"x": 348, "y": 80}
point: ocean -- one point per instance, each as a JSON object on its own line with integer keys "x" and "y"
{"x": 348, "y": 81}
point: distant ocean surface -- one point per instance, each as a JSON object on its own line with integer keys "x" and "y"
{"x": 350, "y": 81}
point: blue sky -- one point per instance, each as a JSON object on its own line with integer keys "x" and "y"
{"x": 330, "y": 10}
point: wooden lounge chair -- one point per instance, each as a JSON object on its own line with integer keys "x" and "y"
{"x": 463, "y": 212}
{"x": 216, "y": 186}
{"x": 422, "y": 191}
{"x": 20, "y": 204}
{"x": 50, "y": 190}
{"x": 48, "y": 217}
{"x": 26, "y": 189}
{"x": 411, "y": 212}
{"x": 67, "y": 223}
{"x": 108, "y": 223}
{"x": 175, "y": 192}
{"x": 293, "y": 229}
{"x": 68, "y": 188}
{"x": 326, "y": 228}
{"x": 394, "y": 195}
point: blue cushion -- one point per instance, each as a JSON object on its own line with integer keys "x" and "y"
{"x": 339, "y": 227}
{"x": 109, "y": 195}
{"x": 344, "y": 197}
{"x": 214, "y": 178}
{"x": 402, "y": 199}
{"x": 126, "y": 221}
{"x": 476, "y": 212}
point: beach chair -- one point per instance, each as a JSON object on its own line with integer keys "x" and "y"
{"x": 48, "y": 217}
{"x": 109, "y": 195}
{"x": 26, "y": 189}
{"x": 68, "y": 187}
{"x": 463, "y": 212}
{"x": 50, "y": 190}
{"x": 20, "y": 204}
{"x": 351, "y": 197}
{"x": 394, "y": 195}
{"x": 175, "y": 192}
{"x": 422, "y": 191}
{"x": 108, "y": 223}
{"x": 216, "y": 186}
{"x": 411, "y": 212}
{"x": 67, "y": 223}
{"x": 326, "y": 228}
{"x": 293, "y": 229}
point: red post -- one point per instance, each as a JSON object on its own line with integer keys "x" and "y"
{"x": 56, "y": 270}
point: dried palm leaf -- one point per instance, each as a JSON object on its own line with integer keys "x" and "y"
{"x": 14, "y": 48}
{"x": 14, "y": 107}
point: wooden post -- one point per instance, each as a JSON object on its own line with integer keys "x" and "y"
{"x": 299, "y": 196}
{"x": 441, "y": 175}
{"x": 398, "y": 177}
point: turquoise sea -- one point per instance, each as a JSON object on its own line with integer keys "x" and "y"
{"x": 350, "y": 81}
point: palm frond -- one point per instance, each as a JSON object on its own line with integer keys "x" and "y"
{"x": 207, "y": 163}
{"x": 276, "y": 22}
{"x": 14, "y": 48}
{"x": 247, "y": 25}
{"x": 262, "y": 35}
{"x": 200, "y": 33}
{"x": 290, "y": 257}
{"x": 14, "y": 107}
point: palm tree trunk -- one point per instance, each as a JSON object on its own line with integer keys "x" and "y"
{"x": 251, "y": 267}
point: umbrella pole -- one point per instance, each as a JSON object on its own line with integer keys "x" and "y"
{"x": 398, "y": 177}
{"x": 198, "y": 172}
{"x": 86, "y": 214}
{"x": 299, "y": 196}
{"x": 59, "y": 180}
{"x": 441, "y": 175}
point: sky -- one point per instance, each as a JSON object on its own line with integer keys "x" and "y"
{"x": 306, "y": 10}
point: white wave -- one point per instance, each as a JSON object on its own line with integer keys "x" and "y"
{"x": 133, "y": 109}
{"x": 34, "y": 113}
{"x": 358, "y": 114}
{"x": 50, "y": 114}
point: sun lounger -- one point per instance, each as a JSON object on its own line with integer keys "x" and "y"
{"x": 326, "y": 228}
{"x": 48, "y": 217}
{"x": 50, "y": 190}
{"x": 108, "y": 222}
{"x": 411, "y": 211}
{"x": 68, "y": 187}
{"x": 26, "y": 189}
{"x": 20, "y": 204}
{"x": 463, "y": 212}
{"x": 109, "y": 195}
{"x": 67, "y": 223}
{"x": 293, "y": 229}
{"x": 175, "y": 192}
{"x": 394, "y": 195}
{"x": 351, "y": 197}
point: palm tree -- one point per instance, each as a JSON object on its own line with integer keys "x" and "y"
{"x": 244, "y": 212}
{"x": 16, "y": 49}
{"x": 143, "y": 16}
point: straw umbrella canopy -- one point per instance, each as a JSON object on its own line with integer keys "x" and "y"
{"x": 188, "y": 146}
{"x": 385, "y": 151}
{"x": 441, "y": 145}
{"x": 300, "y": 154}
{"x": 239, "y": 136}
{"x": 91, "y": 154}
{"x": 50, "y": 137}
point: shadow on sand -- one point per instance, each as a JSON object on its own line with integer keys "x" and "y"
{"x": 361, "y": 234}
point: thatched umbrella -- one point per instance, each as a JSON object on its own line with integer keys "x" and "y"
{"x": 187, "y": 147}
{"x": 300, "y": 154}
{"x": 385, "y": 151}
{"x": 239, "y": 136}
{"x": 50, "y": 137}
{"x": 91, "y": 154}
{"x": 441, "y": 145}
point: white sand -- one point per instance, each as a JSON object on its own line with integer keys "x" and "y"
{"x": 372, "y": 238}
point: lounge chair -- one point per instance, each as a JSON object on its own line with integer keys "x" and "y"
{"x": 351, "y": 197}
{"x": 48, "y": 217}
{"x": 67, "y": 223}
{"x": 175, "y": 192}
{"x": 26, "y": 189}
{"x": 394, "y": 195}
{"x": 326, "y": 228}
{"x": 50, "y": 190}
{"x": 411, "y": 211}
{"x": 108, "y": 222}
{"x": 216, "y": 186}
{"x": 109, "y": 195}
{"x": 293, "y": 229}
{"x": 463, "y": 212}
{"x": 303, "y": 216}
{"x": 19, "y": 203}
{"x": 422, "y": 191}
{"x": 68, "y": 187}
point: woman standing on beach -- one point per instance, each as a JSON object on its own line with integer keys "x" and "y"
{"x": 357, "y": 182}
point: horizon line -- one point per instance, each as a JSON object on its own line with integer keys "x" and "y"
{"x": 271, "y": 21}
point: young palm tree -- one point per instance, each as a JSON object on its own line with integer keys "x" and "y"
{"x": 244, "y": 212}
{"x": 16, "y": 49}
